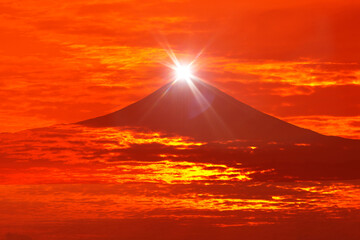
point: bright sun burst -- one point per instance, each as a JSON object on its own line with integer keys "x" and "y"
{"x": 183, "y": 72}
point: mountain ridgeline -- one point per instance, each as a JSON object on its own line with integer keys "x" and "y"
{"x": 202, "y": 111}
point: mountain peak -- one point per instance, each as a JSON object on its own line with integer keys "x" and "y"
{"x": 197, "y": 109}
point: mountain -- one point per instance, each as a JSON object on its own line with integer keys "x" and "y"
{"x": 202, "y": 111}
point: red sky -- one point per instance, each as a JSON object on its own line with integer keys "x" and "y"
{"x": 66, "y": 61}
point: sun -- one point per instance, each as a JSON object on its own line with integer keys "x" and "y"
{"x": 183, "y": 72}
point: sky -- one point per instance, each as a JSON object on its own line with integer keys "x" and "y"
{"x": 66, "y": 61}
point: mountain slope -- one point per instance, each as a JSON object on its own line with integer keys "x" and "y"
{"x": 200, "y": 110}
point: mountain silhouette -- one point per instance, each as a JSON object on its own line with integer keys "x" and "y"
{"x": 202, "y": 111}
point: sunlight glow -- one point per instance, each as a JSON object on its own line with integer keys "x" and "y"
{"x": 183, "y": 72}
